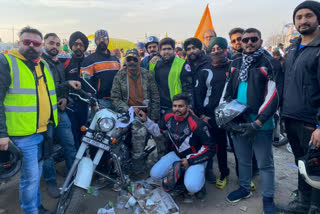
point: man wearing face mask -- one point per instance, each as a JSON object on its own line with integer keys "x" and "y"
{"x": 255, "y": 80}
{"x": 78, "y": 43}
{"x": 63, "y": 132}
{"x": 209, "y": 85}
{"x": 131, "y": 86}
{"x": 103, "y": 67}
{"x": 28, "y": 102}
{"x": 172, "y": 74}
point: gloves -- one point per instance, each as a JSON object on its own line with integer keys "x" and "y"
{"x": 250, "y": 129}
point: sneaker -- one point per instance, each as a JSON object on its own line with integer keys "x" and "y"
{"x": 238, "y": 194}
{"x": 253, "y": 187}
{"x": 42, "y": 210}
{"x": 201, "y": 194}
{"x": 222, "y": 182}
{"x": 53, "y": 191}
{"x": 268, "y": 206}
{"x": 210, "y": 176}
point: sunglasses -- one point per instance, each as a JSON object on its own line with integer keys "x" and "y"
{"x": 131, "y": 58}
{"x": 253, "y": 39}
{"x": 28, "y": 42}
{"x": 236, "y": 40}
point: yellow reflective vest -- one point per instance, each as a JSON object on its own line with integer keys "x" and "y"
{"x": 174, "y": 81}
{"x": 21, "y": 101}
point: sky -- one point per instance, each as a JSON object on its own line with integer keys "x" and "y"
{"x": 133, "y": 19}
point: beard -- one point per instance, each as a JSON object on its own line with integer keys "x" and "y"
{"x": 31, "y": 54}
{"x": 78, "y": 53}
{"x": 53, "y": 52}
{"x": 194, "y": 57}
{"x": 309, "y": 30}
{"x": 141, "y": 54}
{"x": 102, "y": 47}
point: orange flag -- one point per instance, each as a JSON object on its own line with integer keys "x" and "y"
{"x": 205, "y": 24}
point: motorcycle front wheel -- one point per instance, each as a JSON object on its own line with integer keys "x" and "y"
{"x": 70, "y": 201}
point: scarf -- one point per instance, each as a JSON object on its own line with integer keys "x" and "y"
{"x": 180, "y": 118}
{"x": 247, "y": 60}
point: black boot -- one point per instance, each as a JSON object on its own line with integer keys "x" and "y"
{"x": 202, "y": 193}
{"x": 300, "y": 205}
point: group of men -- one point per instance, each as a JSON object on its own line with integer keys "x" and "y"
{"x": 35, "y": 107}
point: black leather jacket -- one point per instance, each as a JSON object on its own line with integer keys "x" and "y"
{"x": 265, "y": 83}
{"x": 190, "y": 137}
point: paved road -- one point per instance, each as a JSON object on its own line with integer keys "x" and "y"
{"x": 286, "y": 181}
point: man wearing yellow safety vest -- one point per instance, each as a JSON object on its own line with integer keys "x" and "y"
{"x": 172, "y": 74}
{"x": 27, "y": 103}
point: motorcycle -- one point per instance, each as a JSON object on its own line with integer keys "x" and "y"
{"x": 106, "y": 133}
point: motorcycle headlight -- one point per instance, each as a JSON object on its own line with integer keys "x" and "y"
{"x": 106, "y": 124}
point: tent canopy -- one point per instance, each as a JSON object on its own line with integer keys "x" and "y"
{"x": 113, "y": 43}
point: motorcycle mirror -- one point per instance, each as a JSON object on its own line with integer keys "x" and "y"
{"x": 146, "y": 103}
{"x": 86, "y": 75}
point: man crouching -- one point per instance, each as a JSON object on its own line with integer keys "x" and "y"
{"x": 191, "y": 144}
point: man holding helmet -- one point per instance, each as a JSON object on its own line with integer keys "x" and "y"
{"x": 191, "y": 144}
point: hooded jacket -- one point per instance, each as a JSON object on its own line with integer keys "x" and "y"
{"x": 209, "y": 86}
{"x": 301, "y": 96}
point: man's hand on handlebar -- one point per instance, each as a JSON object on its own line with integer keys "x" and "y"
{"x": 140, "y": 114}
{"x": 75, "y": 84}
{"x": 62, "y": 103}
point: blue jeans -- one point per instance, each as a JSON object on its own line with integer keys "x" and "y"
{"x": 29, "y": 188}
{"x": 63, "y": 135}
{"x": 106, "y": 104}
{"x": 194, "y": 178}
{"x": 78, "y": 117}
{"x": 262, "y": 148}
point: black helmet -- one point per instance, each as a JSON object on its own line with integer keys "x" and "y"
{"x": 170, "y": 180}
{"x": 309, "y": 167}
{"x": 226, "y": 112}
{"x": 151, "y": 39}
{"x": 10, "y": 162}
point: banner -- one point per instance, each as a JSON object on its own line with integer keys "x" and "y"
{"x": 205, "y": 24}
